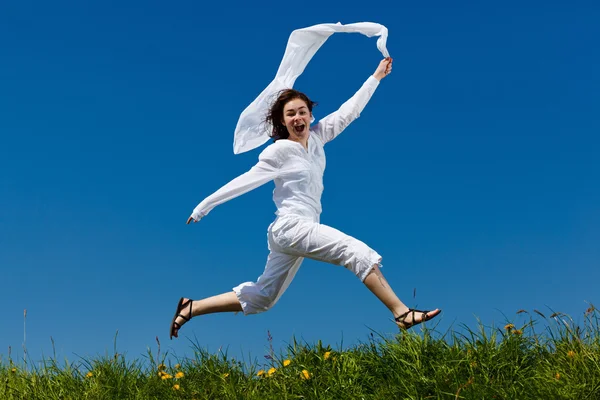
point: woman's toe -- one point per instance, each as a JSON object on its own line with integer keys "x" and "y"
{"x": 433, "y": 314}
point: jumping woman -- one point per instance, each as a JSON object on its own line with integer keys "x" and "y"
{"x": 296, "y": 162}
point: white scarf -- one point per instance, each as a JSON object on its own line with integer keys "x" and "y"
{"x": 251, "y": 131}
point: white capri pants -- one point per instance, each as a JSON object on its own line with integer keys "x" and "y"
{"x": 292, "y": 238}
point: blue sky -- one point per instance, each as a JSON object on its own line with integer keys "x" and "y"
{"x": 474, "y": 169}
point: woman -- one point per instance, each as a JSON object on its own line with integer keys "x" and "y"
{"x": 296, "y": 162}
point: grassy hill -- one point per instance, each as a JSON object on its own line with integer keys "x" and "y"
{"x": 546, "y": 358}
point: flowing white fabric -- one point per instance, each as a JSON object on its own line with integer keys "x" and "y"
{"x": 251, "y": 132}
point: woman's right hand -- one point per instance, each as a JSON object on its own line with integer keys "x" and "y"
{"x": 383, "y": 69}
{"x": 191, "y": 219}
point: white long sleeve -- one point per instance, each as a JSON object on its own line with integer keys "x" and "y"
{"x": 332, "y": 125}
{"x": 260, "y": 174}
{"x": 268, "y": 168}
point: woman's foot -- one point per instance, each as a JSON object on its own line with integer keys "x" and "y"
{"x": 182, "y": 315}
{"x": 414, "y": 317}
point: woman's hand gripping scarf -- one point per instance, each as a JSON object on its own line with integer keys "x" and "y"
{"x": 251, "y": 130}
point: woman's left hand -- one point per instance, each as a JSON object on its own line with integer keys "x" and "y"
{"x": 384, "y": 68}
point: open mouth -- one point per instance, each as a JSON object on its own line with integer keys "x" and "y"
{"x": 299, "y": 128}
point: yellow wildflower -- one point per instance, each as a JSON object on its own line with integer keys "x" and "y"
{"x": 557, "y": 376}
{"x": 165, "y": 376}
{"x": 15, "y": 370}
{"x": 176, "y": 387}
{"x": 177, "y": 366}
{"x": 305, "y": 374}
{"x": 327, "y": 354}
{"x": 179, "y": 375}
{"x": 518, "y": 332}
{"x": 271, "y": 371}
{"x": 226, "y": 374}
{"x": 286, "y": 363}
{"x": 571, "y": 354}
{"x": 260, "y": 373}
{"x": 161, "y": 367}
{"x": 88, "y": 375}
{"x": 508, "y": 327}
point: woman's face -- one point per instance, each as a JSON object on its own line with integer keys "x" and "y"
{"x": 296, "y": 118}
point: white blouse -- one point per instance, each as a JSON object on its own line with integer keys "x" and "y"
{"x": 298, "y": 173}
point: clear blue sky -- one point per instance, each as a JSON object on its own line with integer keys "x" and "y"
{"x": 474, "y": 170}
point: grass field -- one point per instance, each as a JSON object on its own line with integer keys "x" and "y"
{"x": 544, "y": 357}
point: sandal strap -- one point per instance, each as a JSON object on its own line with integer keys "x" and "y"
{"x": 175, "y": 326}
{"x": 402, "y": 317}
{"x": 186, "y": 319}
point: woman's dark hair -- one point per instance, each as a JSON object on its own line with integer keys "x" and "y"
{"x": 275, "y": 114}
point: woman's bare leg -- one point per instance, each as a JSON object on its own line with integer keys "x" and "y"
{"x": 379, "y": 286}
{"x": 375, "y": 282}
{"x": 226, "y": 302}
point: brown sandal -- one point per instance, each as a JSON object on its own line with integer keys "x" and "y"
{"x": 401, "y": 319}
{"x": 174, "y": 325}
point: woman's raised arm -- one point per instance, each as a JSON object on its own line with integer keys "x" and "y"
{"x": 332, "y": 125}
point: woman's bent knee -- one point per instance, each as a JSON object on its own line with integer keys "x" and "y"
{"x": 253, "y": 299}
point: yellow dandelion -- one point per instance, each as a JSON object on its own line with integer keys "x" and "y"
{"x": 15, "y": 370}
{"x": 518, "y": 332}
{"x": 88, "y": 375}
{"x": 557, "y": 376}
{"x": 508, "y": 327}
{"x": 179, "y": 375}
{"x": 571, "y": 354}
{"x": 271, "y": 371}
{"x": 177, "y": 366}
{"x": 226, "y": 374}
{"x": 305, "y": 374}
{"x": 286, "y": 363}
{"x": 260, "y": 373}
{"x": 176, "y": 387}
{"x": 166, "y": 376}
{"x": 326, "y": 355}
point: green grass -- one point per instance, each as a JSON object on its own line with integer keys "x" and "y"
{"x": 542, "y": 358}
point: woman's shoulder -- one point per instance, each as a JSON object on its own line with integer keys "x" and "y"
{"x": 281, "y": 148}
{"x": 279, "y": 151}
